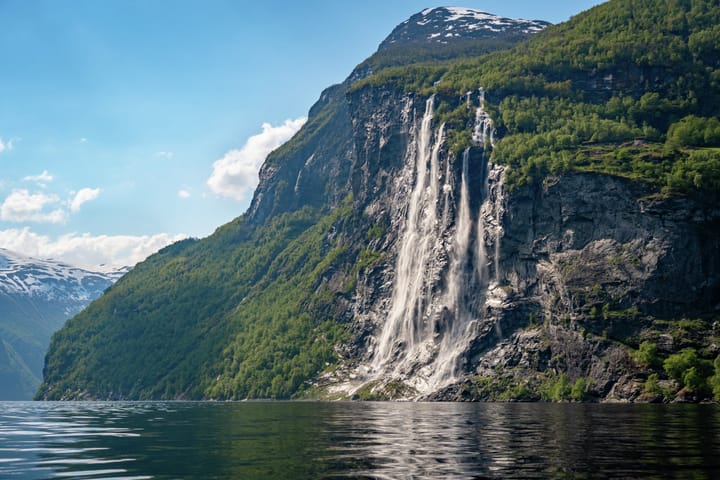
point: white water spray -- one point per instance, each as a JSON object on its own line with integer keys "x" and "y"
{"x": 406, "y": 324}
{"x": 457, "y": 319}
{"x": 498, "y": 208}
{"x": 459, "y": 254}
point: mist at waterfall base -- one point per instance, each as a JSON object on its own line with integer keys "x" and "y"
{"x": 306, "y": 440}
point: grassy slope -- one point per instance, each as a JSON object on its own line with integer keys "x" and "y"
{"x": 193, "y": 320}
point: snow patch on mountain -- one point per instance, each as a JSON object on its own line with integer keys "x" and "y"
{"x": 52, "y": 280}
{"x": 450, "y": 24}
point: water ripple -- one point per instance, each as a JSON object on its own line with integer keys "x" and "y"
{"x": 274, "y": 440}
{"x": 61, "y": 440}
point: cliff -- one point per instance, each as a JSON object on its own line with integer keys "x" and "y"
{"x": 532, "y": 223}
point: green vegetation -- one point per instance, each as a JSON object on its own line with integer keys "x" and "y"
{"x": 422, "y": 52}
{"x": 368, "y": 258}
{"x": 692, "y": 131}
{"x": 714, "y": 381}
{"x": 245, "y": 313}
{"x": 520, "y": 385}
{"x": 688, "y": 369}
{"x": 505, "y": 386}
{"x": 685, "y": 356}
{"x": 412, "y": 78}
{"x": 557, "y": 388}
{"x": 647, "y": 354}
{"x": 651, "y": 385}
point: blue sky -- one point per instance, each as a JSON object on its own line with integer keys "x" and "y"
{"x": 126, "y": 124}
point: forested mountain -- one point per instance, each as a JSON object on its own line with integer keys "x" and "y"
{"x": 36, "y": 297}
{"x": 531, "y": 216}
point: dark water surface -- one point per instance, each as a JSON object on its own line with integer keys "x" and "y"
{"x": 257, "y": 440}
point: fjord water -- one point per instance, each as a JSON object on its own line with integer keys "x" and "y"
{"x": 309, "y": 440}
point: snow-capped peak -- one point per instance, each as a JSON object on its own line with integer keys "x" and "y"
{"x": 49, "y": 279}
{"x": 448, "y": 24}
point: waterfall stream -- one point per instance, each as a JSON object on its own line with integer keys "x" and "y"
{"x": 406, "y": 320}
{"x": 457, "y": 318}
{"x": 441, "y": 271}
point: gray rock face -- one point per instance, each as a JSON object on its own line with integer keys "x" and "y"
{"x": 594, "y": 238}
{"x": 586, "y": 259}
{"x": 313, "y": 169}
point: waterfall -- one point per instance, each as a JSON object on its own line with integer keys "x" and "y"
{"x": 483, "y": 131}
{"x": 441, "y": 270}
{"x": 459, "y": 255}
{"x": 405, "y": 324}
{"x": 447, "y": 197}
{"x": 498, "y": 208}
{"x": 458, "y": 319}
{"x": 464, "y": 298}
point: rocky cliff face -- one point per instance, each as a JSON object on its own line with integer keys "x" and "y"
{"x": 589, "y": 264}
{"x": 312, "y": 170}
{"x": 558, "y": 278}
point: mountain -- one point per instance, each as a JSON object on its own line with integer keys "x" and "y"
{"x": 447, "y": 25}
{"x": 490, "y": 218}
{"x": 36, "y": 297}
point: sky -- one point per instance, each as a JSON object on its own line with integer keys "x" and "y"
{"x": 128, "y": 124}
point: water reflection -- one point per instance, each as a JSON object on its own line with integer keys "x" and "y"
{"x": 530, "y": 441}
{"x": 357, "y": 440}
{"x": 405, "y": 441}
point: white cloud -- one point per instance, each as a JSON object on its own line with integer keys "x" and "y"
{"x": 5, "y": 145}
{"x": 183, "y": 194}
{"x": 85, "y": 250}
{"x": 23, "y": 206}
{"x": 165, "y": 154}
{"x": 84, "y": 195}
{"x": 44, "y": 177}
{"x": 236, "y": 174}
{"x": 83, "y": 140}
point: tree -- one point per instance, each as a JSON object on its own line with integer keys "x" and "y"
{"x": 647, "y": 354}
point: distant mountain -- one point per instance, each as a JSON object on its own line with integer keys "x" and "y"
{"x": 444, "y": 34}
{"x": 445, "y": 25}
{"x": 36, "y": 297}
